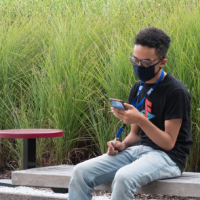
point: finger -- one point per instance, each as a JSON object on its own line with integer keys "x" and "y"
{"x": 111, "y": 148}
{"x": 128, "y": 106}
{"x": 110, "y": 144}
{"x": 116, "y": 110}
{"x": 118, "y": 115}
{"x": 116, "y": 144}
{"x": 112, "y": 151}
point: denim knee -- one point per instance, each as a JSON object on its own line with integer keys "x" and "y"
{"x": 122, "y": 181}
{"x": 80, "y": 171}
{"x": 80, "y": 186}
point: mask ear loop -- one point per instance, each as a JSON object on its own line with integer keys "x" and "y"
{"x": 158, "y": 71}
{"x": 159, "y": 67}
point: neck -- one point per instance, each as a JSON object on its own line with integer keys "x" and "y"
{"x": 155, "y": 79}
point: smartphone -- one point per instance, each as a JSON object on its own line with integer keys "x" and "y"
{"x": 117, "y": 103}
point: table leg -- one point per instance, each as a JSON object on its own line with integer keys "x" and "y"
{"x": 29, "y": 157}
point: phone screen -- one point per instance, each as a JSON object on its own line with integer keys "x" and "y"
{"x": 117, "y": 104}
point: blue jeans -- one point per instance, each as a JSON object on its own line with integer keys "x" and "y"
{"x": 129, "y": 169}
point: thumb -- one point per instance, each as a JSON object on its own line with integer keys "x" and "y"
{"x": 128, "y": 106}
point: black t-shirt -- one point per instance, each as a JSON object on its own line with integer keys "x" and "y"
{"x": 169, "y": 100}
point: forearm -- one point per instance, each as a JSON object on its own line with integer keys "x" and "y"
{"x": 159, "y": 137}
{"x": 131, "y": 139}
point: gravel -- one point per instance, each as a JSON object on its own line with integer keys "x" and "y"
{"x": 44, "y": 192}
{"x": 97, "y": 195}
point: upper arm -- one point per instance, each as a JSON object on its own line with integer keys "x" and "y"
{"x": 172, "y": 128}
{"x": 177, "y": 109}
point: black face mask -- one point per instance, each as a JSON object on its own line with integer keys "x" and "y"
{"x": 145, "y": 73}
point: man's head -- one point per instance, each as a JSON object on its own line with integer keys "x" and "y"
{"x": 153, "y": 37}
{"x": 151, "y": 45}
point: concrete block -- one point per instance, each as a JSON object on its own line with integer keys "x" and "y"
{"x": 185, "y": 186}
{"x": 59, "y": 177}
{"x": 54, "y": 176}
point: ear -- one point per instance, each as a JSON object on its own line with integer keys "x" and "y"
{"x": 163, "y": 62}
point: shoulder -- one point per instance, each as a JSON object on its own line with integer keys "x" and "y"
{"x": 176, "y": 93}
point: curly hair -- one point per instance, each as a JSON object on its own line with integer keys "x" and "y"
{"x": 153, "y": 37}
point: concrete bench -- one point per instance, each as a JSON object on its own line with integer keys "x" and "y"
{"x": 188, "y": 185}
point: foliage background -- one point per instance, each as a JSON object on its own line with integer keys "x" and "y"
{"x": 61, "y": 60}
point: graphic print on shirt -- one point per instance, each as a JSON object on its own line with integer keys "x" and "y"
{"x": 147, "y": 111}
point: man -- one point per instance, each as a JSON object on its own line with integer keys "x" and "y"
{"x": 160, "y": 138}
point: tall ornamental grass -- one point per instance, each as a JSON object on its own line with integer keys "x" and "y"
{"x": 61, "y": 60}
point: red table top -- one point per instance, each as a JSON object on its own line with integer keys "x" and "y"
{"x": 30, "y": 133}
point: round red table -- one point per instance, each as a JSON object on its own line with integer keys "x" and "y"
{"x": 29, "y": 136}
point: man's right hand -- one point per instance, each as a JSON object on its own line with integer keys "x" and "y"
{"x": 114, "y": 147}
